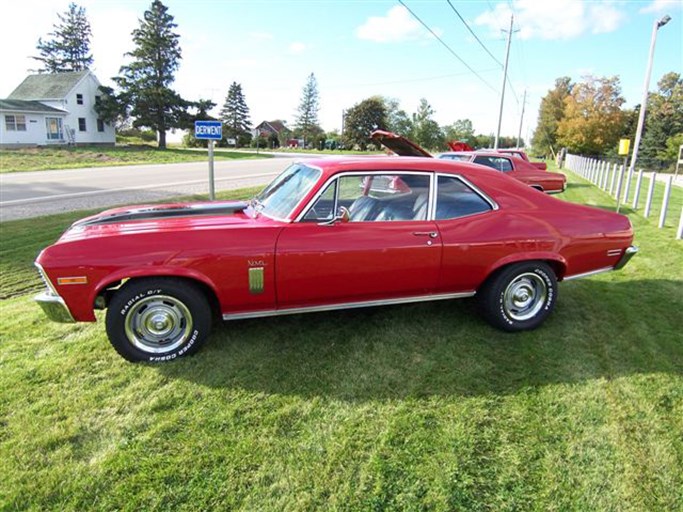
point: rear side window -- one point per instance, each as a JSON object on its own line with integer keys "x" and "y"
{"x": 455, "y": 199}
{"x": 498, "y": 163}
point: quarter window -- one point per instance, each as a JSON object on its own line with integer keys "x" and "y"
{"x": 455, "y": 199}
{"x": 15, "y": 123}
{"x": 81, "y": 124}
{"x": 495, "y": 162}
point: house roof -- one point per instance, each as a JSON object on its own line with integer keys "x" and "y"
{"x": 46, "y": 86}
{"x": 28, "y": 106}
{"x": 277, "y": 126}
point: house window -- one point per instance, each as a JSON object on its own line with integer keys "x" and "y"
{"x": 54, "y": 128}
{"x": 81, "y": 124}
{"x": 15, "y": 123}
{"x": 79, "y": 99}
{"x": 97, "y": 100}
{"x": 100, "y": 125}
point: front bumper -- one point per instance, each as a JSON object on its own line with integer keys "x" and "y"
{"x": 54, "y": 307}
{"x": 629, "y": 253}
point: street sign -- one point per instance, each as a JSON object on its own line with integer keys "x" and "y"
{"x": 208, "y": 130}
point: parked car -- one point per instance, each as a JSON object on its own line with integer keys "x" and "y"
{"x": 521, "y": 154}
{"x": 549, "y": 182}
{"x": 320, "y": 237}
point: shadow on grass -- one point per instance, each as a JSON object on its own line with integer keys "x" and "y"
{"x": 599, "y": 330}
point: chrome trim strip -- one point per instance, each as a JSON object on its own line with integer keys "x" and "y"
{"x": 614, "y": 252}
{"x": 346, "y": 305}
{"x": 256, "y": 280}
{"x": 46, "y": 280}
{"x": 591, "y": 273}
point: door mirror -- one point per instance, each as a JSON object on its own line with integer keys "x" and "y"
{"x": 342, "y": 215}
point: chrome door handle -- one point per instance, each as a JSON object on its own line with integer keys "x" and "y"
{"x": 430, "y": 234}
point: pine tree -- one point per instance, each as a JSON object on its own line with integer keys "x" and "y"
{"x": 146, "y": 82}
{"x": 307, "y": 118}
{"x": 235, "y": 113}
{"x": 68, "y": 49}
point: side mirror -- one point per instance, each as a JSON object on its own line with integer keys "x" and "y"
{"x": 342, "y": 215}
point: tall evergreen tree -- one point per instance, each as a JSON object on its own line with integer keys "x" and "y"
{"x": 68, "y": 48}
{"x": 235, "y": 113}
{"x": 427, "y": 133}
{"x": 145, "y": 82}
{"x": 307, "y": 116}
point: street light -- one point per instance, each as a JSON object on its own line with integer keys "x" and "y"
{"x": 643, "y": 104}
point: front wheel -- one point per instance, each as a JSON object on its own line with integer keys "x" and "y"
{"x": 519, "y": 297}
{"x": 158, "y": 319}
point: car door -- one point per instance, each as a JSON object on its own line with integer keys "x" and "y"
{"x": 386, "y": 250}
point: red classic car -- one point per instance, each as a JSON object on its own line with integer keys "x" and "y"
{"x": 518, "y": 168}
{"x": 518, "y": 153}
{"x": 322, "y": 237}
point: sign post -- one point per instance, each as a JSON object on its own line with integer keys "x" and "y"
{"x": 624, "y": 146}
{"x": 211, "y": 131}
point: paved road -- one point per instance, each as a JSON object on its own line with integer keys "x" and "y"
{"x": 31, "y": 194}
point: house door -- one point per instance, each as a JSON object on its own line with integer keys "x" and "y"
{"x": 54, "y": 128}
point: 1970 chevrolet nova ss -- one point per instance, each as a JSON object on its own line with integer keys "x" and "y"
{"x": 321, "y": 237}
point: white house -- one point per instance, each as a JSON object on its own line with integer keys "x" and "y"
{"x": 56, "y": 108}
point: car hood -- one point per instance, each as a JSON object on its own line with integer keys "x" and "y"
{"x": 158, "y": 217}
{"x": 399, "y": 144}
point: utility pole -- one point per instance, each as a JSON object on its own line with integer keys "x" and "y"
{"x": 505, "y": 77}
{"x": 521, "y": 120}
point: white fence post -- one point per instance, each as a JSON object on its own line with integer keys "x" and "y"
{"x": 679, "y": 233}
{"x": 620, "y": 180}
{"x": 665, "y": 202}
{"x": 637, "y": 192}
{"x": 605, "y": 177}
{"x": 650, "y": 193}
{"x": 627, "y": 187}
{"x": 615, "y": 171}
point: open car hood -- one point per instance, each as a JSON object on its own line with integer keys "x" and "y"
{"x": 399, "y": 144}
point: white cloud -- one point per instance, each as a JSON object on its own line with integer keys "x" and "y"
{"x": 398, "y": 25}
{"x": 558, "y": 19}
{"x": 297, "y": 48}
{"x": 660, "y": 6}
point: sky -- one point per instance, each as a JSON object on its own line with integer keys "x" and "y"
{"x": 358, "y": 49}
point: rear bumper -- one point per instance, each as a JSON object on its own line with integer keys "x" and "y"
{"x": 629, "y": 253}
{"x": 54, "y": 307}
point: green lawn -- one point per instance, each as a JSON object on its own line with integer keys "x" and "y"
{"x": 417, "y": 407}
{"x": 43, "y": 158}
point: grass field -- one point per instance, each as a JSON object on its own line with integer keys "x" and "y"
{"x": 43, "y": 158}
{"x": 417, "y": 407}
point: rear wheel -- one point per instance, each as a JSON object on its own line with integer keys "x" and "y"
{"x": 520, "y": 296}
{"x": 158, "y": 319}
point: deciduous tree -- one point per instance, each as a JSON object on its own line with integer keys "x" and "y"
{"x": 593, "y": 119}
{"x": 663, "y": 120}
{"x": 235, "y": 113}
{"x": 68, "y": 48}
{"x": 461, "y": 130}
{"x": 146, "y": 81}
{"x": 362, "y": 119}
{"x": 550, "y": 113}
{"x": 427, "y": 132}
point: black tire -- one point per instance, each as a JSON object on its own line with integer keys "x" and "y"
{"x": 520, "y": 296}
{"x": 158, "y": 319}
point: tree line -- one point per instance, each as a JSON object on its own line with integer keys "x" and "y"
{"x": 588, "y": 119}
{"x": 144, "y": 96}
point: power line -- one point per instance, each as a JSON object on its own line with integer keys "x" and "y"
{"x": 473, "y": 34}
{"x": 447, "y": 47}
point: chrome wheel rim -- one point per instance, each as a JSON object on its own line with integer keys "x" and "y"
{"x": 158, "y": 324}
{"x": 525, "y": 296}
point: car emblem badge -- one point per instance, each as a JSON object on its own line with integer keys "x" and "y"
{"x": 256, "y": 280}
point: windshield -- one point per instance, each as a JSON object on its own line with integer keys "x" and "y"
{"x": 279, "y": 199}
